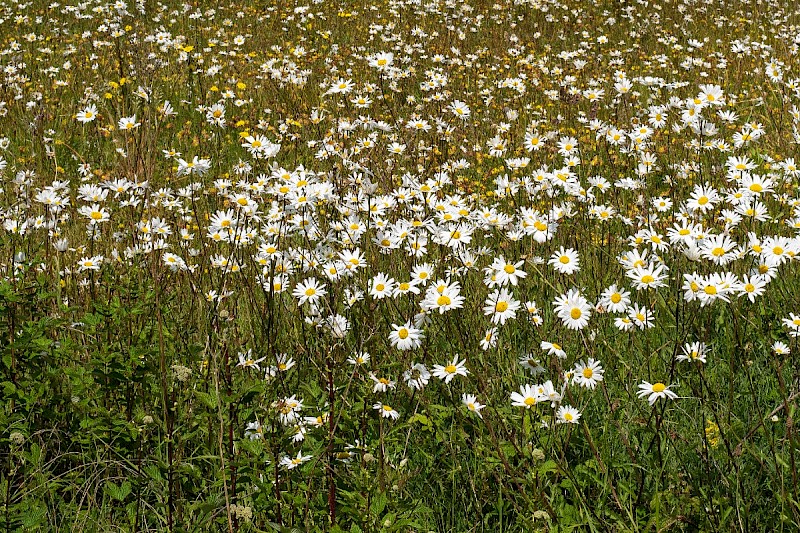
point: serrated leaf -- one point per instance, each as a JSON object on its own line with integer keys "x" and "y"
{"x": 378, "y": 504}
{"x": 207, "y": 399}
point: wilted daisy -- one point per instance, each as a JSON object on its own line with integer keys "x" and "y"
{"x": 248, "y": 360}
{"x": 417, "y": 376}
{"x": 553, "y": 349}
{"x": 792, "y": 324}
{"x": 641, "y": 317}
{"x": 381, "y": 384}
{"x": 293, "y": 462}
{"x": 531, "y": 364}
{"x": 283, "y": 362}
{"x": 489, "y": 339}
{"x": 470, "y": 401}
{"x": 361, "y": 358}
{"x": 693, "y": 351}
{"x": 386, "y": 411}
{"x": 254, "y": 430}
{"x": 174, "y": 262}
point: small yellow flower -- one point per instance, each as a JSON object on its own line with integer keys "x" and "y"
{"x": 712, "y": 433}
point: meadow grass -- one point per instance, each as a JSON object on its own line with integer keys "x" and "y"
{"x": 399, "y": 266}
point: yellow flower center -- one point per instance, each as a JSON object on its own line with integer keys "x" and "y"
{"x": 311, "y": 291}
{"x": 703, "y": 200}
{"x": 501, "y": 307}
{"x": 563, "y": 259}
{"x": 530, "y": 401}
{"x": 588, "y": 373}
{"x": 443, "y": 300}
{"x": 450, "y": 369}
{"x": 509, "y": 269}
{"x": 575, "y": 313}
{"x": 403, "y": 333}
{"x": 659, "y": 387}
{"x": 710, "y": 289}
{"x": 647, "y": 278}
{"x": 616, "y": 298}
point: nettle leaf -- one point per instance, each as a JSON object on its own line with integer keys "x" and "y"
{"x": 117, "y": 492}
{"x": 207, "y": 399}
{"x": 33, "y": 516}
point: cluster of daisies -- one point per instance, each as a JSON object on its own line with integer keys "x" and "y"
{"x": 430, "y": 194}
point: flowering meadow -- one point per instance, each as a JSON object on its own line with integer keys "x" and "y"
{"x": 404, "y": 265}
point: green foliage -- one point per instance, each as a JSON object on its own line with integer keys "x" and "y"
{"x": 139, "y": 397}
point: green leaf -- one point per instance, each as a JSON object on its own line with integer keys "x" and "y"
{"x": 33, "y": 517}
{"x": 378, "y": 504}
{"x": 209, "y": 400}
{"x": 117, "y": 492}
